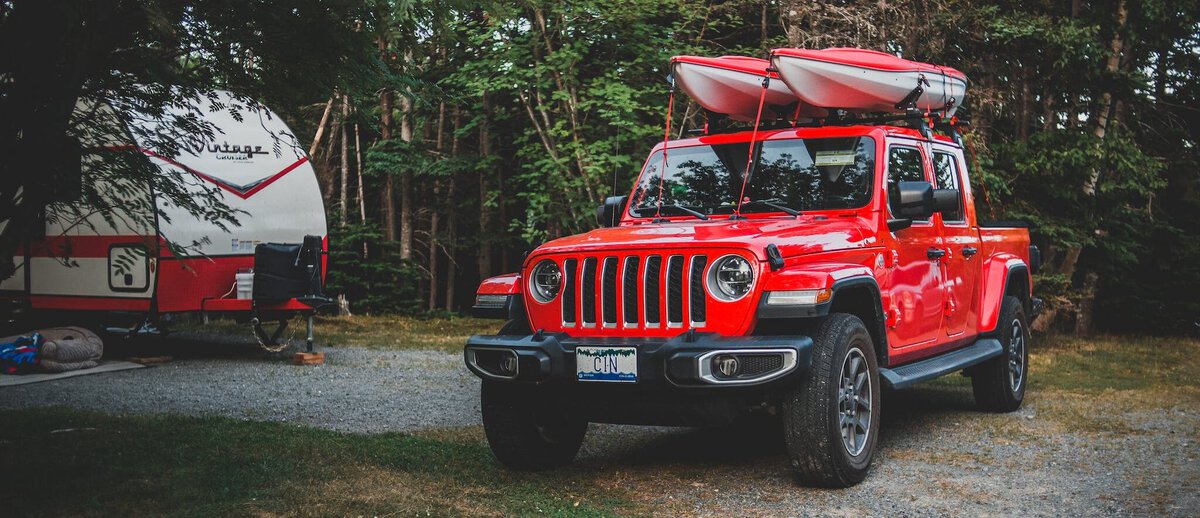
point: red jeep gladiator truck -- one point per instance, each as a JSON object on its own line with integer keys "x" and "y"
{"x": 847, "y": 260}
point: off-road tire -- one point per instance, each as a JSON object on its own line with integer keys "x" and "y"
{"x": 524, "y": 430}
{"x": 812, "y": 416}
{"x": 992, "y": 380}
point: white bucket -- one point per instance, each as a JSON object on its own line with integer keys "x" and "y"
{"x": 245, "y": 285}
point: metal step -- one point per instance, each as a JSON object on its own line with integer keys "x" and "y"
{"x": 907, "y": 375}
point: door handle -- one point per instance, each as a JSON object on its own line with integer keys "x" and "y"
{"x": 935, "y": 253}
{"x": 969, "y": 251}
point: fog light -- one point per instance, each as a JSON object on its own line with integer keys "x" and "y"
{"x": 727, "y": 365}
{"x": 799, "y": 297}
{"x": 508, "y": 365}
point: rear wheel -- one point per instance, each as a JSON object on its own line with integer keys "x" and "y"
{"x": 525, "y": 431}
{"x": 831, "y": 418}
{"x": 999, "y": 384}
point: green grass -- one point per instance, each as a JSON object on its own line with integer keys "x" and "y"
{"x": 376, "y": 332}
{"x": 1096, "y": 364}
{"x": 60, "y": 462}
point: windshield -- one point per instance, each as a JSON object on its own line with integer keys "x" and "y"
{"x": 801, "y": 174}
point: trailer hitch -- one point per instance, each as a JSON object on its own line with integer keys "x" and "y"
{"x": 270, "y": 342}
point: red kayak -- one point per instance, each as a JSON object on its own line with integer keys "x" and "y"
{"x": 862, "y": 80}
{"x": 732, "y": 85}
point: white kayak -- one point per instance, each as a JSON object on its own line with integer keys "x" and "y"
{"x": 865, "y": 81}
{"x": 732, "y": 85}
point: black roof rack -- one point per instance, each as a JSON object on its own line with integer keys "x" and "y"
{"x": 718, "y": 123}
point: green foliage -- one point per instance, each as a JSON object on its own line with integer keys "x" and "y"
{"x": 380, "y": 282}
{"x": 1045, "y": 179}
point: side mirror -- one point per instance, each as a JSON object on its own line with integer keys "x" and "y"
{"x": 915, "y": 200}
{"x": 609, "y": 214}
{"x": 911, "y": 200}
{"x": 946, "y": 200}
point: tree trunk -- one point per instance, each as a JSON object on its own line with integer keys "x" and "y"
{"x": 1086, "y": 308}
{"x": 1104, "y": 111}
{"x": 762, "y": 29}
{"x": 312, "y": 150}
{"x": 1160, "y": 72}
{"x": 1083, "y": 320}
{"x": 1050, "y": 117}
{"x": 328, "y": 175}
{"x": 1023, "y": 118}
{"x": 358, "y": 162}
{"x": 451, "y": 215}
{"x": 388, "y": 194}
{"x": 1067, "y": 268}
{"x": 433, "y": 250}
{"x": 434, "y": 214}
{"x": 406, "y": 205}
{"x": 484, "y": 255}
{"x": 1106, "y": 98}
{"x": 362, "y": 200}
{"x": 344, "y": 205}
{"x": 389, "y": 180}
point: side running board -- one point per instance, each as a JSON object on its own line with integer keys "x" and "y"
{"x": 907, "y": 375}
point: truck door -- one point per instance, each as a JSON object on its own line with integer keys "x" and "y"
{"x": 916, "y": 281}
{"x": 960, "y": 267}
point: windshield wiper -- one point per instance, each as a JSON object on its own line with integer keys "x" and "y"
{"x": 771, "y": 203}
{"x": 678, "y": 207}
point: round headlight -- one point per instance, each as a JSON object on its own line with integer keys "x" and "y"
{"x": 730, "y": 278}
{"x": 545, "y": 281}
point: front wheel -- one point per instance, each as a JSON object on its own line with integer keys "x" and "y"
{"x": 831, "y": 418}
{"x": 999, "y": 384}
{"x": 525, "y": 432}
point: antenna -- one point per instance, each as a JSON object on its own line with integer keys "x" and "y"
{"x": 662, "y": 173}
{"x": 766, "y": 82}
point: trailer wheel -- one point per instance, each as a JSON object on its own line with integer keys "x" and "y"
{"x": 525, "y": 432}
{"x": 831, "y": 417}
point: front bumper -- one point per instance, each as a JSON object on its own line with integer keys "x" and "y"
{"x": 685, "y": 361}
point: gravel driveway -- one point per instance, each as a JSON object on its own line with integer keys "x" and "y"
{"x": 357, "y": 390}
{"x": 938, "y": 456}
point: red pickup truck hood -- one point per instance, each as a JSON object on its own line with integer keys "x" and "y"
{"x": 808, "y": 234}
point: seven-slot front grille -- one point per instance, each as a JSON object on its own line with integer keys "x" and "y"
{"x": 633, "y": 291}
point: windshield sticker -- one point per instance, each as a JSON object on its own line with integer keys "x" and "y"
{"x": 834, "y": 158}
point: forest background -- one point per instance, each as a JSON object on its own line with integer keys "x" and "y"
{"x": 452, "y": 137}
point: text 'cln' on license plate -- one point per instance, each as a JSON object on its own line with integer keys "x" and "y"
{"x": 617, "y": 364}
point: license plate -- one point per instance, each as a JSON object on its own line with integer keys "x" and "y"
{"x": 616, "y": 364}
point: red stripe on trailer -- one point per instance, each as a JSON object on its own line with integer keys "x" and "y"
{"x": 185, "y": 283}
{"x": 77, "y": 303}
{"x": 247, "y": 304}
{"x": 241, "y": 194}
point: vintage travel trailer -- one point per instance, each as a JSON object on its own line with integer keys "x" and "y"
{"x": 269, "y": 266}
